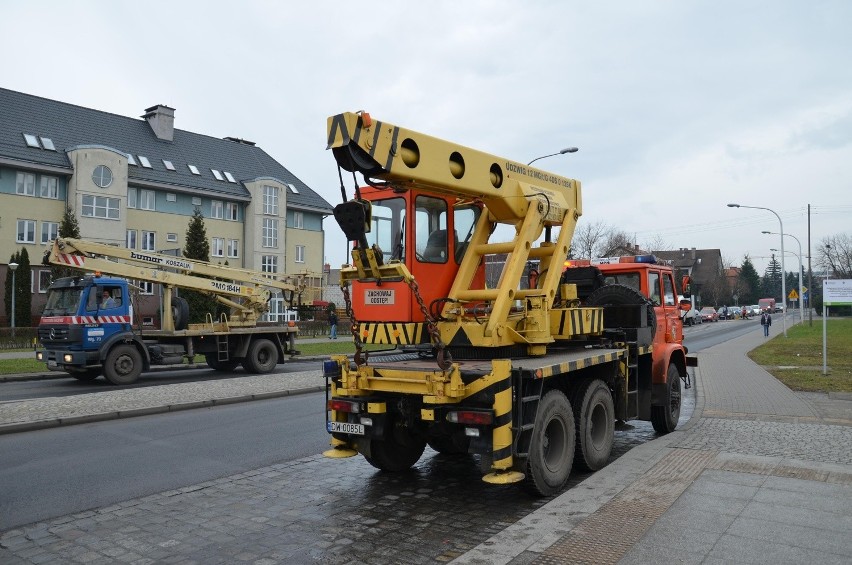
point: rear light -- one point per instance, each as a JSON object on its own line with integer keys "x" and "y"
{"x": 471, "y": 417}
{"x": 344, "y": 405}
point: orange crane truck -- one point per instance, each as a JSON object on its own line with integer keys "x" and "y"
{"x": 530, "y": 375}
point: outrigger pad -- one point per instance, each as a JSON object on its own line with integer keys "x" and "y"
{"x": 353, "y": 217}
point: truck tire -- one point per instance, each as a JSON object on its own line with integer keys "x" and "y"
{"x": 262, "y": 357}
{"x": 551, "y": 447}
{"x": 180, "y": 312}
{"x": 222, "y": 366}
{"x": 623, "y": 295}
{"x": 665, "y": 417}
{"x": 594, "y": 414}
{"x": 123, "y": 365}
{"x": 396, "y": 453}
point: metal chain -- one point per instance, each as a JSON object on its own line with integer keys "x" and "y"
{"x": 356, "y": 334}
{"x": 444, "y": 357}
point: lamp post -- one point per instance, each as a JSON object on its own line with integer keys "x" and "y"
{"x": 14, "y": 267}
{"x": 563, "y": 152}
{"x": 783, "y": 271}
{"x": 801, "y": 298}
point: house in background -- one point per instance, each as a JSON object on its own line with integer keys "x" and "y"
{"x": 136, "y": 182}
{"x": 702, "y": 265}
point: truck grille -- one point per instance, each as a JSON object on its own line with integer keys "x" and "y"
{"x": 53, "y": 334}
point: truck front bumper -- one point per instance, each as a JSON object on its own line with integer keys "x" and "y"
{"x": 62, "y": 360}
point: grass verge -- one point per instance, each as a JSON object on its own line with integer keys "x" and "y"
{"x": 797, "y": 360}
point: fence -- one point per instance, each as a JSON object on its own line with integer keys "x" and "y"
{"x": 23, "y": 338}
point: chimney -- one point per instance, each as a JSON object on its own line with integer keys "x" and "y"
{"x": 161, "y": 118}
{"x": 693, "y": 253}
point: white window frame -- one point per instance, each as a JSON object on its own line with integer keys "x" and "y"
{"x": 25, "y": 232}
{"x": 145, "y": 287}
{"x": 233, "y": 248}
{"x": 232, "y": 213}
{"x": 49, "y": 187}
{"x": 172, "y": 237}
{"x": 269, "y": 263}
{"x": 217, "y": 247}
{"x": 100, "y": 207}
{"x": 145, "y": 162}
{"x": 168, "y": 165}
{"x": 32, "y": 141}
{"x": 217, "y": 209}
{"x": 230, "y": 177}
{"x": 132, "y": 197}
{"x": 270, "y": 233}
{"x": 300, "y": 254}
{"x": 43, "y": 280}
{"x": 149, "y": 241}
{"x": 47, "y": 143}
{"x": 148, "y": 200}
{"x": 130, "y": 239}
{"x": 25, "y": 184}
{"x": 171, "y": 197}
{"x": 193, "y": 169}
{"x": 51, "y": 233}
{"x": 196, "y": 201}
{"x": 217, "y": 175}
{"x": 298, "y": 220}
{"x": 270, "y": 200}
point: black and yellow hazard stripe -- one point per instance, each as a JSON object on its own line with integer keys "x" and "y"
{"x": 387, "y": 333}
{"x": 569, "y": 322}
{"x": 576, "y": 364}
{"x": 501, "y": 434}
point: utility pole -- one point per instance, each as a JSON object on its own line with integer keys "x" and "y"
{"x": 810, "y": 277}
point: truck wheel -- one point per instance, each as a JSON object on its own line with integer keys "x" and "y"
{"x": 595, "y": 425}
{"x": 223, "y": 366}
{"x": 123, "y": 365}
{"x": 87, "y": 375}
{"x": 622, "y": 295}
{"x": 665, "y": 417}
{"x": 551, "y": 446}
{"x": 398, "y": 452}
{"x": 180, "y": 312}
{"x": 262, "y": 357}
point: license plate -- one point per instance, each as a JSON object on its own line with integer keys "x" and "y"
{"x": 51, "y": 364}
{"x": 346, "y": 428}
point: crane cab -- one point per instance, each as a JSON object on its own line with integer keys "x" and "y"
{"x": 429, "y": 234}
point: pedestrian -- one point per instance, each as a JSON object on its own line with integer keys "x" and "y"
{"x": 765, "y": 321}
{"x": 332, "y": 322}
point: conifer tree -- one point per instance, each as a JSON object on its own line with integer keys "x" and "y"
{"x": 23, "y": 296}
{"x": 197, "y": 247}
{"x": 68, "y": 227}
{"x": 749, "y": 283}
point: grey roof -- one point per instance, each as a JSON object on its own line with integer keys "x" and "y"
{"x": 70, "y": 126}
{"x": 706, "y": 264}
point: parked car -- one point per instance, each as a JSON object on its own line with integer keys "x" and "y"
{"x": 754, "y": 310}
{"x": 708, "y": 314}
{"x": 735, "y": 312}
{"x": 722, "y": 313}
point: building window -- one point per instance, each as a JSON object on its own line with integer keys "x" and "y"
{"x": 171, "y": 237}
{"x": 25, "y": 184}
{"x": 298, "y": 220}
{"x": 47, "y": 143}
{"x": 168, "y": 165}
{"x": 145, "y": 162}
{"x": 171, "y": 197}
{"x": 270, "y": 232}
{"x": 149, "y": 241}
{"x": 26, "y": 231}
{"x": 145, "y": 287}
{"x": 148, "y": 200}
{"x": 269, "y": 264}
{"x": 292, "y": 188}
{"x": 193, "y": 169}
{"x": 217, "y": 249}
{"x": 300, "y": 254}
{"x": 196, "y": 201}
{"x": 217, "y": 174}
{"x": 131, "y": 198}
{"x": 232, "y": 211}
{"x": 230, "y": 177}
{"x": 49, "y": 231}
{"x": 270, "y": 200}
{"x": 233, "y": 248}
{"x": 49, "y": 187}
{"x": 32, "y": 141}
{"x": 43, "y": 281}
{"x": 102, "y": 176}
{"x": 100, "y": 207}
{"x": 216, "y": 209}
{"x": 131, "y": 160}
{"x": 131, "y": 239}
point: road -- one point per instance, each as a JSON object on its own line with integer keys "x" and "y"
{"x": 53, "y": 472}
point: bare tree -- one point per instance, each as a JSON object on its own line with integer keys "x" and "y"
{"x": 587, "y": 239}
{"x": 835, "y": 253}
{"x": 656, "y": 243}
{"x": 615, "y": 241}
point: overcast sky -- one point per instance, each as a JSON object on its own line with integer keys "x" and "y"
{"x": 678, "y": 107}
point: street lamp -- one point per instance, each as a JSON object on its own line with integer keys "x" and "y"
{"x": 783, "y": 272}
{"x": 563, "y": 152}
{"x": 14, "y": 267}
{"x": 801, "y": 310}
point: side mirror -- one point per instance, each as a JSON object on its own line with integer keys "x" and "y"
{"x": 686, "y": 284}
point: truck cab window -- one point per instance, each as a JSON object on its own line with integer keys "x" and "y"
{"x": 432, "y": 241}
{"x": 654, "y": 287}
{"x": 464, "y": 220}
{"x": 387, "y": 228}
{"x": 669, "y": 295}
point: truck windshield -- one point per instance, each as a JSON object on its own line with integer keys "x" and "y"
{"x": 62, "y": 301}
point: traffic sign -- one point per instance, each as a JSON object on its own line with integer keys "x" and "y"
{"x": 793, "y": 295}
